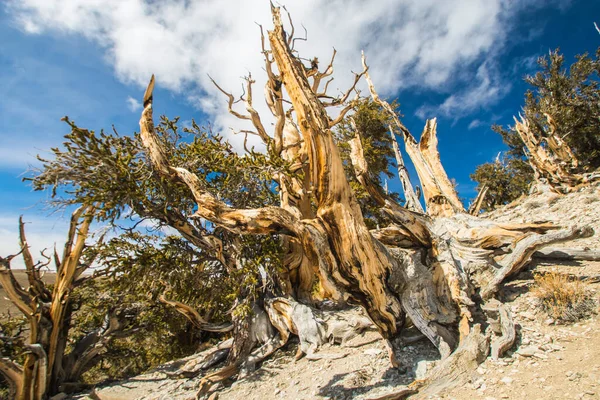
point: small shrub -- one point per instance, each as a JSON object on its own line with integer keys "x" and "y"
{"x": 562, "y": 298}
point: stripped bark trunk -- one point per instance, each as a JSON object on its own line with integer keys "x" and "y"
{"x": 412, "y": 200}
{"x": 440, "y": 195}
{"x": 550, "y": 157}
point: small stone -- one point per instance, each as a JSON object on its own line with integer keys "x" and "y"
{"x": 528, "y": 351}
{"x": 550, "y": 321}
{"x": 372, "y": 352}
{"x": 528, "y": 315}
{"x": 507, "y": 380}
{"x": 421, "y": 369}
{"x": 478, "y": 383}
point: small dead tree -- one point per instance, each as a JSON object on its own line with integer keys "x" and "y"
{"x": 48, "y": 367}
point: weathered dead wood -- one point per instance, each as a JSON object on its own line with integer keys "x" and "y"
{"x": 394, "y": 236}
{"x": 453, "y": 371}
{"x": 412, "y": 200}
{"x": 413, "y": 223}
{"x": 477, "y": 203}
{"x": 67, "y": 272}
{"x": 195, "y": 318}
{"x": 36, "y": 285}
{"x": 39, "y": 383}
{"x": 16, "y": 294}
{"x": 13, "y": 373}
{"x": 454, "y": 254}
{"x": 567, "y": 254}
{"x": 441, "y": 198}
{"x": 336, "y": 206}
{"x": 524, "y": 250}
{"x": 47, "y": 366}
{"x": 203, "y": 361}
{"x": 508, "y": 333}
{"x": 550, "y": 157}
{"x": 262, "y": 220}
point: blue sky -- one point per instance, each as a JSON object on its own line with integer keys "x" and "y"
{"x": 459, "y": 60}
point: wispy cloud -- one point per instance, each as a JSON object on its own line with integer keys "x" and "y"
{"x": 476, "y": 123}
{"x": 487, "y": 88}
{"x": 133, "y": 104}
{"x": 42, "y": 233}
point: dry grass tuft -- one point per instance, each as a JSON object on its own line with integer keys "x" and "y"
{"x": 564, "y": 299}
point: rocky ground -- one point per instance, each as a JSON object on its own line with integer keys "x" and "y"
{"x": 550, "y": 360}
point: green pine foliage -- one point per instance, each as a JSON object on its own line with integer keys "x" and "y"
{"x": 571, "y": 96}
{"x": 373, "y": 124}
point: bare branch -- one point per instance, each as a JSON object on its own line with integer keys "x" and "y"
{"x": 20, "y": 298}
{"x": 33, "y": 276}
{"x": 412, "y": 199}
{"x": 230, "y": 102}
{"x": 254, "y": 116}
{"x": 320, "y": 75}
{"x": 343, "y": 113}
{"x": 13, "y": 373}
{"x": 291, "y": 34}
{"x": 304, "y": 39}
{"x": 195, "y": 318}
{"x": 344, "y": 97}
{"x": 414, "y": 224}
{"x": 476, "y": 206}
{"x": 524, "y": 250}
{"x": 261, "y": 220}
{"x": 384, "y": 104}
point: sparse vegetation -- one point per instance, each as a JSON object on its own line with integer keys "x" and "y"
{"x": 564, "y": 299}
{"x": 558, "y": 137}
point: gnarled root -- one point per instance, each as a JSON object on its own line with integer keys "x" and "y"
{"x": 314, "y": 329}
{"x": 452, "y": 371}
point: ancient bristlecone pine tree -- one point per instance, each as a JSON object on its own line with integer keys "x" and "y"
{"x": 439, "y": 269}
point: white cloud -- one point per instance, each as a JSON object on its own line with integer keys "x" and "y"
{"x": 408, "y": 42}
{"x": 42, "y": 233}
{"x": 475, "y": 124}
{"x": 133, "y": 104}
{"x": 486, "y": 89}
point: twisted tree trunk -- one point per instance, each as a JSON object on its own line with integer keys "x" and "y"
{"x": 433, "y": 268}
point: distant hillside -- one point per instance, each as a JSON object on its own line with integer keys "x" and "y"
{"x": 5, "y": 305}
